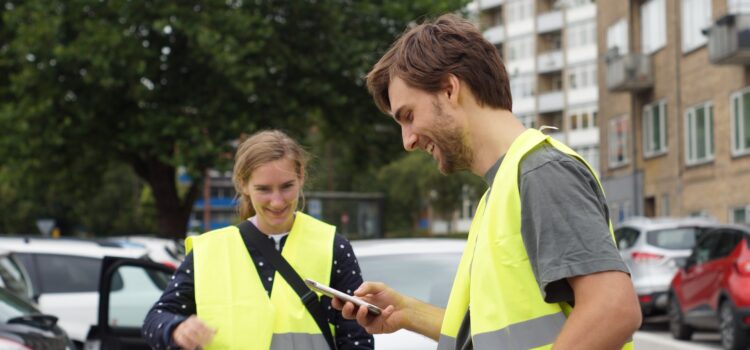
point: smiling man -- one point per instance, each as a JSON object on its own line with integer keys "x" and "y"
{"x": 540, "y": 268}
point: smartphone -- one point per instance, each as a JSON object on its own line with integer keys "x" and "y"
{"x": 341, "y": 295}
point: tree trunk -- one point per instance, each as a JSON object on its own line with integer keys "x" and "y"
{"x": 173, "y": 212}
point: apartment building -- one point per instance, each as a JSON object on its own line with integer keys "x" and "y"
{"x": 674, "y": 103}
{"x": 549, "y": 48}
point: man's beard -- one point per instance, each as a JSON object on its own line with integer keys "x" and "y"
{"x": 455, "y": 154}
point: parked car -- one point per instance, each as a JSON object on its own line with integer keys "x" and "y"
{"x": 24, "y": 327}
{"x": 712, "y": 289}
{"x": 167, "y": 251}
{"x": 65, "y": 275}
{"x": 14, "y": 277}
{"x": 652, "y": 248}
{"x": 421, "y": 268}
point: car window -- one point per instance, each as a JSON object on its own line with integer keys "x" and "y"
{"x": 12, "y": 278}
{"x": 703, "y": 248}
{"x": 727, "y": 243}
{"x": 427, "y": 277}
{"x": 625, "y": 238}
{"x": 138, "y": 289}
{"x": 12, "y": 306}
{"x": 68, "y": 274}
{"x": 678, "y": 238}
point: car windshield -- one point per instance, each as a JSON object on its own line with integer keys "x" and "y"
{"x": 12, "y": 306}
{"x": 427, "y": 277}
{"x": 676, "y": 238}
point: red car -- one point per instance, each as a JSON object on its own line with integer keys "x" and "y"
{"x": 712, "y": 290}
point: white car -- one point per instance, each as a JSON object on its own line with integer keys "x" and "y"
{"x": 65, "y": 275}
{"x": 14, "y": 277}
{"x": 419, "y": 267}
{"x": 166, "y": 251}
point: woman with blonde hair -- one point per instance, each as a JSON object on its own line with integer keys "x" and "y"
{"x": 229, "y": 294}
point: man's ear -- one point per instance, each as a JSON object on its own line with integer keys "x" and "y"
{"x": 451, "y": 87}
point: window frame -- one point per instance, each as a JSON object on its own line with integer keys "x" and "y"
{"x": 746, "y": 209}
{"x": 657, "y": 38}
{"x": 617, "y": 32}
{"x": 691, "y": 10}
{"x": 647, "y": 132}
{"x": 690, "y": 151}
{"x": 611, "y": 160}
{"x": 737, "y": 131}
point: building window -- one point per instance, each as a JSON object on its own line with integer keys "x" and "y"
{"x": 591, "y": 155}
{"x": 618, "y": 141}
{"x": 664, "y": 205}
{"x": 523, "y": 86}
{"x": 740, "y": 215}
{"x": 699, "y": 142}
{"x": 741, "y": 122}
{"x": 581, "y": 34}
{"x": 582, "y": 76}
{"x": 696, "y": 16}
{"x": 520, "y": 10}
{"x": 582, "y": 118}
{"x": 617, "y": 38}
{"x": 654, "y": 129}
{"x": 527, "y": 120}
{"x": 653, "y": 26}
{"x": 521, "y": 48}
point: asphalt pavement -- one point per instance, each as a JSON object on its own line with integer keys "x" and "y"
{"x": 654, "y": 335}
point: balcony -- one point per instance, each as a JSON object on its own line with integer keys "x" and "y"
{"x": 629, "y": 72}
{"x": 549, "y": 22}
{"x": 549, "y": 62}
{"x": 729, "y": 40}
{"x": 551, "y": 101}
{"x": 495, "y": 34}
{"x": 524, "y": 105}
{"x": 488, "y": 4}
{"x": 580, "y": 13}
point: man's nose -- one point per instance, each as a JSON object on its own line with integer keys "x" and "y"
{"x": 409, "y": 138}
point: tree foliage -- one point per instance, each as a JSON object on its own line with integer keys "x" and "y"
{"x": 159, "y": 85}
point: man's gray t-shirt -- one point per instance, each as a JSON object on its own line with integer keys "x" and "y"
{"x": 564, "y": 225}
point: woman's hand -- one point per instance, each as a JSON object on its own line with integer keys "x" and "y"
{"x": 192, "y": 333}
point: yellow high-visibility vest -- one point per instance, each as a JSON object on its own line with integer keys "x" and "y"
{"x": 230, "y": 297}
{"x": 495, "y": 281}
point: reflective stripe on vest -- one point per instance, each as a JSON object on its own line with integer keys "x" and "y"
{"x": 230, "y": 296}
{"x": 495, "y": 281}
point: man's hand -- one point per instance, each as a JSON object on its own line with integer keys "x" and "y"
{"x": 399, "y": 311}
{"x": 192, "y": 333}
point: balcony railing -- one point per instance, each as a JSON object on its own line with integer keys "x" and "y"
{"x": 488, "y": 4}
{"x": 551, "y": 101}
{"x": 495, "y": 34}
{"x": 629, "y": 72}
{"x": 729, "y": 40}
{"x": 550, "y": 21}
{"x": 549, "y": 61}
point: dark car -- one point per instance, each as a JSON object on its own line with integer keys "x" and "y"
{"x": 23, "y": 327}
{"x": 712, "y": 290}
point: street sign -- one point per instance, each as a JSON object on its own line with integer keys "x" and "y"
{"x": 45, "y": 226}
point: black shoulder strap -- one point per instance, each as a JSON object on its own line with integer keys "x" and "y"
{"x": 253, "y": 237}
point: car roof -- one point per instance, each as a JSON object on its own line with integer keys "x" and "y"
{"x": 68, "y": 246}
{"x": 397, "y": 246}
{"x": 645, "y": 223}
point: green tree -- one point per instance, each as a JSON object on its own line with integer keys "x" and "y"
{"x": 157, "y": 85}
{"x": 414, "y": 182}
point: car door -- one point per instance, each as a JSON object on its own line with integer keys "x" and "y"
{"x": 128, "y": 288}
{"x": 694, "y": 279}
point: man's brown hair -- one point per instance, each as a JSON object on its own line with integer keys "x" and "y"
{"x": 425, "y": 54}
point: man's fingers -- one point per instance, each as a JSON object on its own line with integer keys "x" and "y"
{"x": 369, "y": 288}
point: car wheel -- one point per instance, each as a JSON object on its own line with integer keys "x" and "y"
{"x": 677, "y": 325}
{"x": 733, "y": 337}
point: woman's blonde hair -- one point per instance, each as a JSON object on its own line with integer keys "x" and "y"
{"x": 261, "y": 148}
